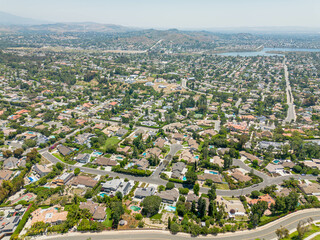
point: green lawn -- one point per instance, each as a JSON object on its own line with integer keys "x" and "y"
{"x": 230, "y": 198}
{"x": 108, "y": 221}
{"x": 158, "y": 216}
{"x": 313, "y": 229}
{"x": 113, "y": 141}
{"x": 222, "y": 186}
{"x": 57, "y": 155}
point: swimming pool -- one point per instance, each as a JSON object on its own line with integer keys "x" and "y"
{"x": 135, "y": 208}
{"x": 129, "y": 165}
{"x": 276, "y": 161}
{"x": 103, "y": 194}
{"x": 184, "y": 178}
{"x": 119, "y": 158}
{"x": 213, "y": 172}
{"x": 144, "y": 154}
{"x": 97, "y": 154}
{"x": 196, "y": 157}
{"x": 170, "y": 208}
{"x": 33, "y": 179}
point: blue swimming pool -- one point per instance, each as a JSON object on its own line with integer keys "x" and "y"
{"x": 144, "y": 154}
{"x": 170, "y": 208}
{"x": 196, "y": 157}
{"x": 184, "y": 178}
{"x": 276, "y": 161}
{"x": 103, "y": 194}
{"x": 213, "y": 172}
{"x": 33, "y": 179}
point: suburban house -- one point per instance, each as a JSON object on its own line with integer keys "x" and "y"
{"x": 240, "y": 177}
{"x": 121, "y": 132}
{"x": 41, "y": 170}
{"x": 267, "y": 198}
{"x": 144, "y": 192}
{"x": 98, "y": 212}
{"x": 63, "y": 179}
{"x": 169, "y": 196}
{"x": 103, "y": 161}
{"x": 116, "y": 185}
{"x": 82, "y": 158}
{"x": 177, "y": 169}
{"x": 50, "y": 215}
{"x": 10, "y": 163}
{"x": 83, "y": 181}
{"x": 142, "y": 163}
{"x": 216, "y": 178}
{"x": 310, "y": 188}
{"x": 63, "y": 150}
{"x": 250, "y": 157}
{"x": 273, "y": 168}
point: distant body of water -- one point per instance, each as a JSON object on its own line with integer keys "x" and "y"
{"x": 265, "y": 50}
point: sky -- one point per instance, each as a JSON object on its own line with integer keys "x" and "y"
{"x": 164, "y": 14}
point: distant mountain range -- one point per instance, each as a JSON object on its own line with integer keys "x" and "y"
{"x": 10, "y": 19}
{"x": 12, "y": 23}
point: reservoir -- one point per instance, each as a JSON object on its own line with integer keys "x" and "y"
{"x": 265, "y": 51}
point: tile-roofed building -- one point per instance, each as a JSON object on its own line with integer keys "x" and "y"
{"x": 50, "y": 215}
{"x": 216, "y": 178}
{"x": 103, "y": 161}
{"x": 41, "y": 170}
{"x": 98, "y": 212}
{"x": 240, "y": 177}
{"x": 169, "y": 196}
{"x": 83, "y": 181}
{"x": 63, "y": 150}
{"x": 267, "y": 198}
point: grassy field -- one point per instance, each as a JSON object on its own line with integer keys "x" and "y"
{"x": 158, "y": 216}
{"x": 113, "y": 141}
{"x": 222, "y": 186}
{"x": 57, "y": 155}
{"x": 108, "y": 221}
{"x": 313, "y": 229}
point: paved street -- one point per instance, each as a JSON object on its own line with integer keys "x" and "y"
{"x": 266, "y": 232}
{"x": 291, "y": 114}
{"x": 155, "y": 179}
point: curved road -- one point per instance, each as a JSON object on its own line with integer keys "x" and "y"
{"x": 265, "y": 232}
{"x": 155, "y": 178}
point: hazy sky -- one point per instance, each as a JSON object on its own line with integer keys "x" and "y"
{"x": 172, "y": 13}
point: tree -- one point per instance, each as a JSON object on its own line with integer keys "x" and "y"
{"x": 255, "y": 194}
{"x": 282, "y": 232}
{"x": 30, "y": 143}
{"x": 201, "y": 207}
{"x": 174, "y": 228}
{"x": 117, "y": 211}
{"x": 76, "y": 171}
{"x": 196, "y": 189}
{"x": 212, "y": 193}
{"x": 257, "y": 211}
{"x": 191, "y": 177}
{"x": 119, "y": 195}
{"x": 193, "y": 207}
{"x": 7, "y": 153}
{"x": 301, "y": 229}
{"x": 151, "y": 205}
{"x": 18, "y": 152}
{"x": 169, "y": 185}
{"x": 169, "y": 223}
